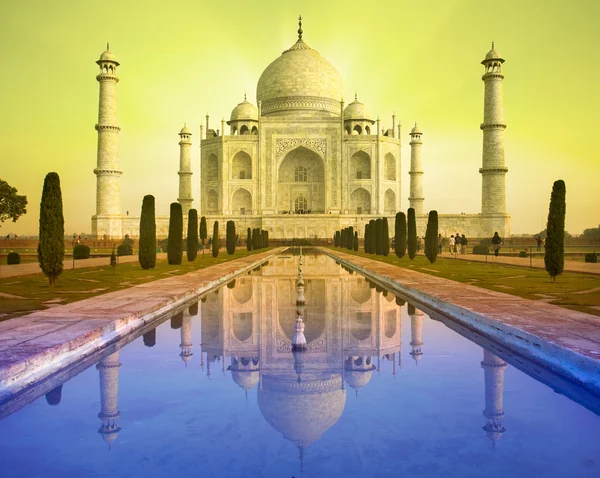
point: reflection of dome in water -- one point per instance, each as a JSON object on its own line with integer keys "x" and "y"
{"x": 358, "y": 371}
{"x": 303, "y": 411}
{"x": 244, "y": 372}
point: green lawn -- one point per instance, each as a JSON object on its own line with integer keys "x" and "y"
{"x": 571, "y": 290}
{"x": 33, "y": 292}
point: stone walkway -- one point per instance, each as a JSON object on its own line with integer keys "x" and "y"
{"x": 571, "y": 266}
{"x": 566, "y": 341}
{"x": 36, "y": 345}
{"x": 34, "y": 268}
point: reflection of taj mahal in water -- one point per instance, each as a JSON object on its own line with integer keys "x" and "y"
{"x": 301, "y": 163}
{"x": 351, "y": 327}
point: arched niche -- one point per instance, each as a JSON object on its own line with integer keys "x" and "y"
{"x": 389, "y": 203}
{"x": 360, "y": 201}
{"x": 242, "y": 202}
{"x": 301, "y": 173}
{"x": 241, "y": 166}
{"x": 360, "y": 166}
{"x": 389, "y": 167}
{"x": 211, "y": 168}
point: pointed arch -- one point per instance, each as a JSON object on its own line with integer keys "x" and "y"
{"x": 242, "y": 202}
{"x": 212, "y": 202}
{"x": 211, "y": 168}
{"x": 360, "y": 201}
{"x": 360, "y": 166}
{"x": 389, "y": 204}
{"x": 389, "y": 167}
{"x": 241, "y": 166}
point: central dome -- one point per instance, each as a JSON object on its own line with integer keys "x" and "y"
{"x": 300, "y": 79}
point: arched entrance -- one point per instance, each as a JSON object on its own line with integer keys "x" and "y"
{"x": 301, "y": 182}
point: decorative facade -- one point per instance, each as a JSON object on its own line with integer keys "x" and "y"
{"x": 302, "y": 164}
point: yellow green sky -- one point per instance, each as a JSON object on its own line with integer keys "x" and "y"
{"x": 180, "y": 60}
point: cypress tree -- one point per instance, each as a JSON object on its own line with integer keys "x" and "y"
{"x": 147, "y": 250}
{"x": 175, "y": 241}
{"x": 51, "y": 247}
{"x": 249, "y": 240}
{"x": 266, "y": 238}
{"x": 203, "y": 234}
{"x": 372, "y": 236}
{"x": 400, "y": 235}
{"x": 412, "y": 234}
{"x": 338, "y": 238}
{"x": 192, "y": 235}
{"x": 379, "y": 236}
{"x": 230, "y": 237}
{"x": 350, "y": 245}
{"x": 366, "y": 239}
{"x": 386, "y": 238}
{"x": 355, "y": 244}
{"x": 431, "y": 237}
{"x": 216, "y": 244}
{"x": 255, "y": 240}
{"x": 554, "y": 257}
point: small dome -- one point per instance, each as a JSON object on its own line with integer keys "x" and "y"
{"x": 358, "y": 378}
{"x": 493, "y": 55}
{"x": 244, "y": 111}
{"x": 108, "y": 56}
{"x": 356, "y": 111}
{"x": 415, "y": 130}
{"x": 185, "y": 130}
{"x": 245, "y": 379}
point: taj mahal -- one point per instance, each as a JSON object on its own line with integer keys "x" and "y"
{"x": 301, "y": 163}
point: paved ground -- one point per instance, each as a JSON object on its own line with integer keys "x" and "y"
{"x": 50, "y": 338}
{"x": 544, "y": 326}
{"x": 34, "y": 268}
{"x": 572, "y": 266}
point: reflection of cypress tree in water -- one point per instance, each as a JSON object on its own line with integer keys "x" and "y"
{"x": 400, "y": 301}
{"x": 109, "y": 390}
{"x": 53, "y": 396}
{"x": 177, "y": 321}
{"x": 150, "y": 338}
{"x": 193, "y": 310}
{"x": 493, "y": 370}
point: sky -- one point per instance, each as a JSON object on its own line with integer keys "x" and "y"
{"x": 421, "y": 60}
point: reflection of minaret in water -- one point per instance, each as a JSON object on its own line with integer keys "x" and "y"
{"x": 416, "y": 332}
{"x": 298, "y": 340}
{"x": 186, "y": 339}
{"x": 493, "y": 370}
{"x": 109, "y": 397}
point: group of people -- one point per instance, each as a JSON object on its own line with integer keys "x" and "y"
{"x": 457, "y": 244}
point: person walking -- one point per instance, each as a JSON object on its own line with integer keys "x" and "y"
{"x": 538, "y": 240}
{"x": 451, "y": 244}
{"x": 463, "y": 244}
{"x": 439, "y": 243}
{"x": 496, "y": 242}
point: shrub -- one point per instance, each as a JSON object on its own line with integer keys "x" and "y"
{"x": 523, "y": 254}
{"x": 51, "y": 246}
{"x": 216, "y": 244}
{"x": 177, "y": 321}
{"x": 481, "y": 249}
{"x": 203, "y": 233}
{"x": 386, "y": 238}
{"x": 411, "y": 241}
{"x": 81, "y": 251}
{"x": 554, "y": 256}
{"x": 379, "y": 237}
{"x": 128, "y": 240}
{"x": 230, "y": 237}
{"x": 147, "y": 245}
{"x": 192, "y": 236}
{"x": 249, "y": 240}
{"x": 592, "y": 257}
{"x": 175, "y": 244}
{"x": 113, "y": 257}
{"x": 14, "y": 258}
{"x": 431, "y": 237}
{"x": 400, "y": 235}
{"x": 150, "y": 338}
{"x": 125, "y": 250}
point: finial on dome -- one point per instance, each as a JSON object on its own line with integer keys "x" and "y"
{"x": 107, "y": 46}
{"x": 355, "y": 96}
{"x": 300, "y": 27}
{"x": 492, "y": 45}
{"x": 244, "y": 96}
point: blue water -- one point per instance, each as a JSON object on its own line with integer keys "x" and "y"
{"x": 360, "y": 401}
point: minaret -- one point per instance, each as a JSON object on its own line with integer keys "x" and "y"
{"x": 493, "y": 170}
{"x": 416, "y": 332}
{"x": 185, "y": 170}
{"x": 109, "y": 397}
{"x": 108, "y": 175}
{"x": 493, "y": 370}
{"x": 186, "y": 338}
{"x": 416, "y": 171}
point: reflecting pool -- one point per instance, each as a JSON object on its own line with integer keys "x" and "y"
{"x": 381, "y": 389}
